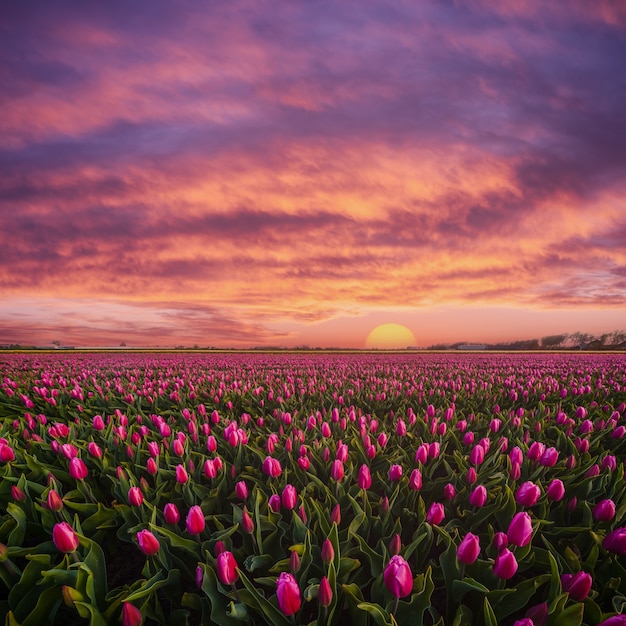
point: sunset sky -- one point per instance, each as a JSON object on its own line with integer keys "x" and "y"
{"x": 251, "y": 173}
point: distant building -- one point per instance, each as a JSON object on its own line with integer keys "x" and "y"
{"x": 472, "y": 346}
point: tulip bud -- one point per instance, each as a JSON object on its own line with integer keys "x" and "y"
{"x": 505, "y": 564}
{"x": 527, "y": 494}
{"x": 241, "y": 490}
{"x": 181, "y": 475}
{"x": 435, "y": 514}
{"x": 415, "y": 480}
{"x": 227, "y": 568}
{"x": 325, "y": 593}
{"x": 615, "y": 541}
{"x": 171, "y": 514}
{"x": 335, "y": 515}
{"x": 478, "y": 496}
{"x": 274, "y": 502}
{"x": 337, "y": 470}
{"x": 384, "y": 504}
{"x": 131, "y": 615}
{"x": 148, "y": 543}
{"x": 247, "y": 524}
{"x": 288, "y": 593}
{"x": 364, "y": 478}
{"x": 500, "y": 541}
{"x": 195, "y": 520}
{"x": 556, "y": 490}
{"x": 135, "y": 497}
{"x": 395, "y": 545}
{"x": 449, "y": 492}
{"x": 54, "y": 501}
{"x": 471, "y": 476}
{"x": 6, "y": 453}
{"x": 577, "y": 585}
{"x": 18, "y": 494}
{"x": 199, "y": 577}
{"x": 64, "y": 537}
{"x": 395, "y": 473}
{"x": 520, "y": 530}
{"x": 78, "y": 469}
{"x": 294, "y": 562}
{"x": 468, "y": 549}
{"x": 328, "y": 552}
{"x": 604, "y": 511}
{"x": 398, "y": 577}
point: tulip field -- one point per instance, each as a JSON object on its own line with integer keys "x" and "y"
{"x": 312, "y": 489}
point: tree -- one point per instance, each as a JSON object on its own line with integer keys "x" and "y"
{"x": 553, "y": 341}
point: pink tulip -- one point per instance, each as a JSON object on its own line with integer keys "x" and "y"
{"x": 54, "y": 501}
{"x": 364, "y": 478}
{"x": 335, "y": 515}
{"x": 241, "y": 490}
{"x": 294, "y": 562}
{"x": 171, "y": 514}
{"x": 395, "y": 545}
{"x": 505, "y": 564}
{"x": 556, "y": 490}
{"x": 500, "y": 541}
{"x": 274, "y": 502}
{"x": 604, "y": 511}
{"x": 195, "y": 520}
{"x": 477, "y": 455}
{"x": 471, "y": 476}
{"x": 616, "y": 620}
{"x": 151, "y": 467}
{"x": 328, "y": 552}
{"x": 64, "y": 538}
{"x": 435, "y": 514}
{"x": 520, "y": 530}
{"x": 288, "y": 593}
{"x": 6, "y": 453}
{"x": 148, "y": 543}
{"x": 478, "y": 496}
{"x": 135, "y": 497}
{"x": 549, "y": 457}
{"x": 289, "y": 497}
{"x": 325, "y": 593}
{"x": 337, "y": 471}
{"x": 271, "y": 467}
{"x": 577, "y": 585}
{"x": 421, "y": 455}
{"x": 468, "y": 549}
{"x": 527, "y": 494}
{"x": 449, "y": 492}
{"x": 78, "y": 469}
{"x": 615, "y": 541}
{"x": 398, "y": 577}
{"x": 395, "y": 473}
{"x": 181, "y": 475}
{"x": 131, "y": 615}
{"x": 247, "y": 525}
{"x": 415, "y": 480}
{"x": 227, "y": 568}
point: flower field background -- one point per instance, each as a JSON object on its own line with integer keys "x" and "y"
{"x": 312, "y": 489}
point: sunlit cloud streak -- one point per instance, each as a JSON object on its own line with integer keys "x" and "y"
{"x": 279, "y": 169}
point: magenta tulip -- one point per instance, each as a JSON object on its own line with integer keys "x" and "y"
{"x": 449, "y": 492}
{"x": 616, "y": 620}
{"x": 435, "y": 514}
{"x": 131, "y": 615}
{"x": 556, "y": 490}
{"x": 500, "y": 541}
{"x": 478, "y": 497}
{"x": 274, "y": 502}
{"x": 415, "y": 480}
{"x": 135, "y": 497}
{"x": 6, "y": 453}
{"x": 520, "y": 530}
{"x": 615, "y": 541}
{"x": 288, "y": 594}
{"x": 604, "y": 511}
{"x": 328, "y": 552}
{"x": 468, "y": 549}
{"x": 227, "y": 568}
{"x": 577, "y": 585}
{"x": 241, "y": 490}
{"x": 527, "y": 494}
{"x": 78, "y": 469}
{"x": 54, "y": 501}
{"x": 395, "y": 473}
{"x": 148, "y": 543}
{"x": 247, "y": 524}
{"x": 395, "y": 545}
{"x": 505, "y": 564}
{"x": 271, "y": 467}
{"x": 171, "y": 514}
{"x": 64, "y": 538}
{"x": 181, "y": 475}
{"x": 398, "y": 577}
{"x": 364, "y": 477}
{"x": 325, "y": 593}
{"x": 289, "y": 497}
{"x": 195, "y": 520}
{"x": 337, "y": 471}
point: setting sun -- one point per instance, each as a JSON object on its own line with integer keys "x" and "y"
{"x": 390, "y": 336}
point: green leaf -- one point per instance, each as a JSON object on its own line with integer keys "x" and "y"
{"x": 380, "y": 616}
{"x": 89, "y": 610}
{"x": 571, "y": 616}
{"x": 354, "y": 597}
{"x": 488, "y": 614}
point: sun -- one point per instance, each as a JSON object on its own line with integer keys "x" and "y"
{"x": 390, "y": 337}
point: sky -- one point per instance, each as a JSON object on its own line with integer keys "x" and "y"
{"x": 285, "y": 173}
